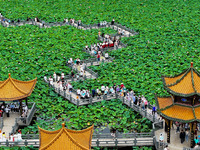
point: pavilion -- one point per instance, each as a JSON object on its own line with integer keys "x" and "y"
{"x": 64, "y": 139}
{"x": 184, "y": 103}
{"x": 13, "y": 89}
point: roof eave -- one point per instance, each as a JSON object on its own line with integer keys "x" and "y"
{"x": 175, "y": 119}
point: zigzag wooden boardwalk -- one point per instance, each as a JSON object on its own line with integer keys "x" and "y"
{"x": 89, "y": 74}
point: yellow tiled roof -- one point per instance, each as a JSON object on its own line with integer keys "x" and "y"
{"x": 65, "y": 139}
{"x": 196, "y": 79}
{"x": 197, "y": 112}
{"x": 164, "y": 102}
{"x": 187, "y": 83}
{"x": 171, "y": 80}
{"x": 12, "y": 89}
{"x": 179, "y": 112}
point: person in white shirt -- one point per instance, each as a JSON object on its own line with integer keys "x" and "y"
{"x": 66, "y": 20}
{"x": 45, "y": 78}
{"x": 50, "y": 80}
{"x": 106, "y": 55}
{"x": 19, "y": 136}
{"x": 4, "y": 137}
{"x": 86, "y": 47}
{"x": 87, "y": 94}
{"x": 62, "y": 75}
{"x": 107, "y": 88}
{"x": 54, "y": 77}
{"x": 15, "y": 137}
{"x": 26, "y": 109}
{"x": 97, "y": 90}
{"x": 7, "y": 110}
{"x": 11, "y": 138}
{"x": 78, "y": 92}
{"x": 103, "y": 88}
{"x": 60, "y": 85}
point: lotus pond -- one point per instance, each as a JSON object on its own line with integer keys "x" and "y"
{"x": 167, "y": 43}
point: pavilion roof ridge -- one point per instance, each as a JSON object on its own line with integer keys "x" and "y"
{"x": 177, "y": 84}
{"x": 20, "y": 89}
{"x": 60, "y": 132}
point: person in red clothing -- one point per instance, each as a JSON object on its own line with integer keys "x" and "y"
{"x": 1, "y": 112}
{"x": 98, "y": 57}
{"x": 122, "y": 85}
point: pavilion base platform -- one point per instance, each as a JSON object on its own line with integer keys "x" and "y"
{"x": 175, "y": 141}
{"x": 13, "y": 122}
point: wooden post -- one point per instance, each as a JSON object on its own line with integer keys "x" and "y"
{"x": 192, "y": 129}
{"x": 166, "y": 125}
{"x": 20, "y": 107}
{"x": 168, "y": 131}
{"x": 26, "y": 101}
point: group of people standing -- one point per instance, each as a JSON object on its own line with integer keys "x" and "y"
{"x": 12, "y": 107}
{"x": 62, "y": 84}
{"x": 17, "y": 137}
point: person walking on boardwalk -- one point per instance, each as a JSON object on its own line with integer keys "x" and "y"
{"x": 93, "y": 92}
{"x": 161, "y": 139}
{"x": 196, "y": 140}
{"x": 182, "y": 136}
{"x": 186, "y": 135}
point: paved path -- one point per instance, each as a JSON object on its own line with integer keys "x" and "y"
{"x": 175, "y": 140}
{"x": 9, "y": 122}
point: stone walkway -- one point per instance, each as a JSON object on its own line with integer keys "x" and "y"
{"x": 175, "y": 142}
{"x": 9, "y": 122}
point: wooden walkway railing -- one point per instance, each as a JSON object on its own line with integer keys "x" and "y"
{"x": 98, "y": 140}
{"x": 144, "y": 112}
{"x": 95, "y": 142}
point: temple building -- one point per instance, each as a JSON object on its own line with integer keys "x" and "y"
{"x": 64, "y": 139}
{"x": 184, "y": 103}
{"x": 13, "y": 89}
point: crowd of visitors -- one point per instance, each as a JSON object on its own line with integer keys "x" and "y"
{"x": 121, "y": 90}
{"x": 102, "y": 23}
{"x": 98, "y": 49}
{"x": 16, "y": 137}
{"x": 62, "y": 84}
{"x": 79, "y": 65}
{"x": 12, "y": 108}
